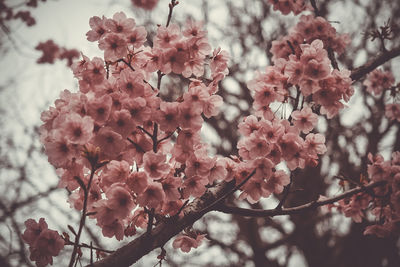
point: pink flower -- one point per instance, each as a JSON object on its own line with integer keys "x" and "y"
{"x": 137, "y": 182}
{"x": 305, "y": 119}
{"x": 137, "y": 37}
{"x": 188, "y": 138}
{"x": 95, "y": 72}
{"x": 154, "y": 164}
{"x": 249, "y": 125}
{"x": 189, "y": 118}
{"x": 173, "y": 60}
{"x": 99, "y": 109}
{"x": 110, "y": 142}
{"x": 263, "y": 167}
{"x": 194, "y": 186}
{"x": 119, "y": 200}
{"x": 196, "y": 97}
{"x": 194, "y": 29}
{"x": 131, "y": 83}
{"x": 193, "y": 66}
{"x": 218, "y": 171}
{"x": 154, "y": 61}
{"x": 120, "y": 24}
{"x": 114, "y": 47}
{"x": 315, "y": 144}
{"x": 76, "y": 129}
{"x": 167, "y": 36}
{"x": 98, "y": 28}
{"x": 211, "y": 106}
{"x": 186, "y": 242}
{"x": 392, "y": 111}
{"x": 290, "y": 144}
{"x": 253, "y": 190}
{"x": 277, "y": 181}
{"x": 167, "y": 116}
{"x": 257, "y": 145}
{"x": 170, "y": 186}
{"x": 198, "y": 164}
{"x": 377, "y": 81}
{"x": 49, "y": 242}
{"x": 43, "y": 242}
{"x": 116, "y": 228}
{"x": 219, "y": 61}
{"x": 59, "y": 150}
{"x": 152, "y": 197}
{"x": 122, "y": 123}
{"x": 294, "y": 70}
{"x": 138, "y": 109}
{"x": 272, "y": 131}
{"x": 33, "y": 230}
{"x": 115, "y": 171}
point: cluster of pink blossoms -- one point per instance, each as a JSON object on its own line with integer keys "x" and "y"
{"x": 287, "y": 6}
{"x": 383, "y": 202}
{"x": 308, "y": 29}
{"x": 267, "y": 142}
{"x": 43, "y": 243}
{"x": 145, "y": 4}
{"x": 311, "y": 73}
{"x": 51, "y": 51}
{"x": 148, "y": 151}
{"x": 378, "y": 82}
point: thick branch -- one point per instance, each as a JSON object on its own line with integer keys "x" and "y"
{"x": 133, "y": 251}
{"x": 298, "y": 209}
{"x": 359, "y": 72}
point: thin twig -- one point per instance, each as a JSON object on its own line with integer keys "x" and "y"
{"x": 86, "y": 191}
{"x": 171, "y": 8}
{"x": 286, "y": 192}
{"x": 314, "y": 5}
{"x": 166, "y": 137}
{"x": 137, "y": 146}
{"x": 145, "y": 131}
{"x": 298, "y": 209}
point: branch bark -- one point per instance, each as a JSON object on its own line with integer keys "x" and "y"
{"x": 359, "y": 72}
{"x": 298, "y": 209}
{"x": 165, "y": 230}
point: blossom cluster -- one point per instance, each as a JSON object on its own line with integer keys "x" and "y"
{"x": 145, "y": 4}
{"x": 44, "y": 244}
{"x": 51, "y": 51}
{"x": 9, "y": 12}
{"x": 287, "y": 6}
{"x": 188, "y": 241}
{"x": 141, "y": 154}
{"x": 384, "y": 202}
{"x": 266, "y": 143}
{"x": 379, "y": 82}
{"x": 308, "y": 29}
{"x": 311, "y": 73}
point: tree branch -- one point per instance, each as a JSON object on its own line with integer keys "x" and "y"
{"x": 133, "y": 251}
{"x": 359, "y": 72}
{"x": 298, "y": 209}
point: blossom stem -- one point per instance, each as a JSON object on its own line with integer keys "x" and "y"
{"x": 83, "y": 216}
{"x": 285, "y": 193}
{"x": 316, "y": 10}
{"x": 171, "y": 8}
